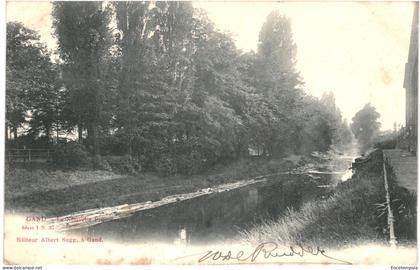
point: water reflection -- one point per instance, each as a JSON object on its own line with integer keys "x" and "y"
{"x": 215, "y": 217}
{"x": 347, "y": 175}
{"x": 182, "y": 237}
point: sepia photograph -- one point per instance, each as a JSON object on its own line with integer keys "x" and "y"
{"x": 210, "y": 133}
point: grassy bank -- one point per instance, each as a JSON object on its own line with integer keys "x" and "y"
{"x": 19, "y": 181}
{"x": 352, "y": 213}
{"x": 56, "y": 192}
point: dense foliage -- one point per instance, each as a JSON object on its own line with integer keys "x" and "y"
{"x": 365, "y": 125}
{"x": 32, "y": 82}
{"x": 158, "y": 83}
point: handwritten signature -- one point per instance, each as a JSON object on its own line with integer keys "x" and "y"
{"x": 265, "y": 250}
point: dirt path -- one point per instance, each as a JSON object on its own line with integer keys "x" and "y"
{"x": 404, "y": 165}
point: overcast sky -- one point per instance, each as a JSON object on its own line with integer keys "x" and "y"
{"x": 357, "y": 50}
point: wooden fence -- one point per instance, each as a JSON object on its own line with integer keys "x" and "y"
{"x": 28, "y": 155}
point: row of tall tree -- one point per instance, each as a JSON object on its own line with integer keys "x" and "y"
{"x": 158, "y": 81}
{"x": 365, "y": 126}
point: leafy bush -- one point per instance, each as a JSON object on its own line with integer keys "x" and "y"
{"x": 100, "y": 163}
{"x": 112, "y": 145}
{"x": 70, "y": 155}
{"x": 191, "y": 163}
{"x": 123, "y": 164}
{"x": 181, "y": 162}
{"x": 386, "y": 144}
{"x": 166, "y": 165}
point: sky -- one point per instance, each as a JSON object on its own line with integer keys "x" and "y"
{"x": 357, "y": 50}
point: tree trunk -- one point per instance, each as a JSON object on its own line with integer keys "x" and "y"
{"x": 92, "y": 130}
{"x": 47, "y": 134}
{"x": 80, "y": 132}
{"x": 130, "y": 144}
{"x": 15, "y": 135}
{"x": 6, "y": 130}
{"x": 58, "y": 137}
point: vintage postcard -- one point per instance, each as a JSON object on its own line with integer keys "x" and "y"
{"x": 210, "y": 132}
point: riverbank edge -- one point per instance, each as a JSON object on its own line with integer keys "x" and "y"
{"x": 353, "y": 214}
{"x": 145, "y": 187}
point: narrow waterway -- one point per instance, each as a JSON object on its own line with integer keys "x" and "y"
{"x": 219, "y": 216}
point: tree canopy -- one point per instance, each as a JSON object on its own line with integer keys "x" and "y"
{"x": 159, "y": 83}
{"x": 365, "y": 125}
{"x": 32, "y": 83}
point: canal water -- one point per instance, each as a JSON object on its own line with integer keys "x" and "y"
{"x": 218, "y": 216}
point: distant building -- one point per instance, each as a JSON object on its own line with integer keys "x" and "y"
{"x": 411, "y": 86}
